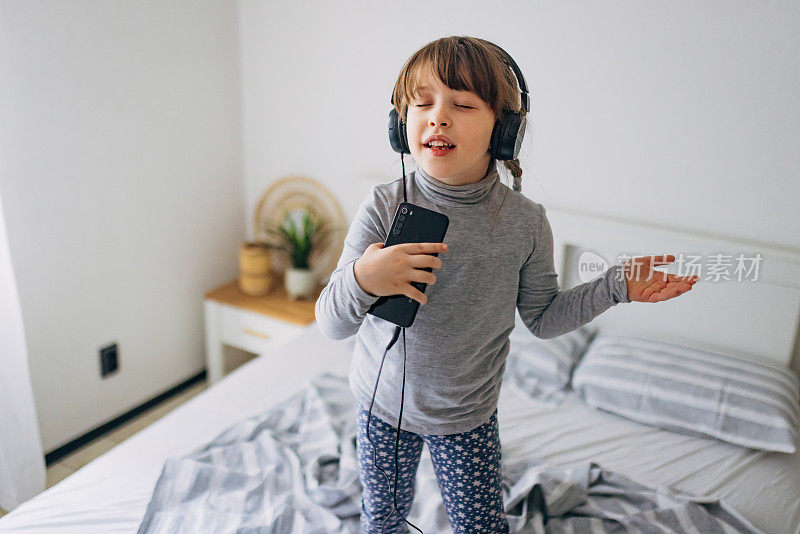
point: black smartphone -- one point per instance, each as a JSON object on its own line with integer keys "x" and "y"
{"x": 412, "y": 224}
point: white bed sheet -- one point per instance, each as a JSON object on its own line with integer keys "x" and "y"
{"x": 763, "y": 486}
{"x": 110, "y": 494}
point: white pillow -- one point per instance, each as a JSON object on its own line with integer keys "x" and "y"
{"x": 747, "y": 402}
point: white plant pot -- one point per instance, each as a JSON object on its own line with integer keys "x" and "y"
{"x": 300, "y": 283}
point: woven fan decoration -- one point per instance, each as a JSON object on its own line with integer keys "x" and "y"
{"x": 287, "y": 196}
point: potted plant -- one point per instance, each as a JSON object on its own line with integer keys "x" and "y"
{"x": 300, "y": 234}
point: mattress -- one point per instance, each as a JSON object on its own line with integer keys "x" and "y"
{"x": 110, "y": 494}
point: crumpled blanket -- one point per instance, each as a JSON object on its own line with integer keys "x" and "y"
{"x": 293, "y": 469}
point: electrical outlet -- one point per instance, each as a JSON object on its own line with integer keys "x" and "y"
{"x": 108, "y": 360}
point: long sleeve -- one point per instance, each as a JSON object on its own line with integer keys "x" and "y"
{"x": 548, "y": 312}
{"x": 343, "y": 304}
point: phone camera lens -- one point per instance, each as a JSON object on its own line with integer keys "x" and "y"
{"x": 396, "y": 231}
{"x": 403, "y": 210}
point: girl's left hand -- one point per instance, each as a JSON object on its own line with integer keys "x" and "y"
{"x": 646, "y": 284}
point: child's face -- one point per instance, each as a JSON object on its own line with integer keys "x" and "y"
{"x": 463, "y": 118}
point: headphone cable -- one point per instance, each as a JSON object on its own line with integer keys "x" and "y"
{"x": 397, "y": 438}
{"x": 403, "y": 163}
{"x": 402, "y": 399}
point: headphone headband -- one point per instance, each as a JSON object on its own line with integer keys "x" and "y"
{"x": 520, "y": 79}
{"x": 509, "y": 61}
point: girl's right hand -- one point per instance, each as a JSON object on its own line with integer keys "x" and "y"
{"x": 383, "y": 271}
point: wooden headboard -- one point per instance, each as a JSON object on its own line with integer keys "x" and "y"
{"x": 757, "y": 316}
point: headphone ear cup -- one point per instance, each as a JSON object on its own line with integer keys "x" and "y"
{"x": 397, "y": 133}
{"x": 507, "y": 136}
{"x": 494, "y": 144}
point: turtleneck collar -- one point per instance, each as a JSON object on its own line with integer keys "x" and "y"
{"x": 456, "y": 195}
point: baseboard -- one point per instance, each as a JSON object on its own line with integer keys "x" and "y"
{"x": 56, "y": 454}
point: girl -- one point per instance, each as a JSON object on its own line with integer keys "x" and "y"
{"x": 498, "y": 258}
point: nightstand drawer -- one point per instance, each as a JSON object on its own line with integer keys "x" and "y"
{"x": 253, "y": 331}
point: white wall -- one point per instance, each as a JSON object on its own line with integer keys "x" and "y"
{"x": 120, "y": 166}
{"x": 683, "y": 114}
{"x": 122, "y": 169}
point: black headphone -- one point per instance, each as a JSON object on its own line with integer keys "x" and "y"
{"x": 508, "y": 130}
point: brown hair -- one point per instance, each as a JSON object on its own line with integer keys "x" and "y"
{"x": 464, "y": 64}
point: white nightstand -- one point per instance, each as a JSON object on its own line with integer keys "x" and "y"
{"x": 254, "y": 324}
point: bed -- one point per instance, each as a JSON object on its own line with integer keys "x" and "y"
{"x": 111, "y": 493}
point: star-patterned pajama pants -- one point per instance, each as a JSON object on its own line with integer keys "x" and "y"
{"x": 467, "y": 468}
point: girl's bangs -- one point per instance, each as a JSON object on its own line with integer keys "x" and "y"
{"x": 453, "y": 72}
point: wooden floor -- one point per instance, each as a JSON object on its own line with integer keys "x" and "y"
{"x": 67, "y": 465}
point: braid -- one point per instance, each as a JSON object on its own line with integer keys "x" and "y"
{"x": 516, "y": 172}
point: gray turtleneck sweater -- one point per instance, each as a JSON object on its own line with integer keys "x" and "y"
{"x": 500, "y": 259}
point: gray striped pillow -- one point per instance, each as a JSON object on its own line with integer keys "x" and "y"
{"x": 547, "y": 362}
{"x": 752, "y": 403}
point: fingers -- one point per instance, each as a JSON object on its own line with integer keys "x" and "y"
{"x": 683, "y": 288}
{"x": 656, "y": 260}
{"x": 686, "y": 279}
{"x": 664, "y": 276}
{"x": 652, "y": 289}
{"x": 419, "y": 258}
{"x": 423, "y": 248}
{"x": 421, "y": 261}
{"x": 662, "y": 260}
{"x": 665, "y": 294}
{"x": 658, "y": 292}
{"x": 414, "y": 293}
{"x": 418, "y": 275}
{"x": 671, "y": 290}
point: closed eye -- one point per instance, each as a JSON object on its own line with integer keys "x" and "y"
{"x": 457, "y": 105}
